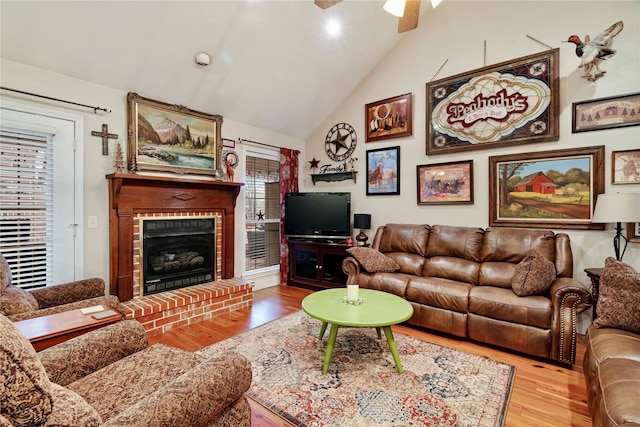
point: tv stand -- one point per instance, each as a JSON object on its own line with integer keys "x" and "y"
{"x": 316, "y": 265}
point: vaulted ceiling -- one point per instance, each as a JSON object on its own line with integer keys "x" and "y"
{"x": 273, "y": 65}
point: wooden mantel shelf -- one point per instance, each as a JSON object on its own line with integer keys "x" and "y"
{"x": 131, "y": 194}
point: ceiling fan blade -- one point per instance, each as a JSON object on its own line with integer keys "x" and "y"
{"x": 323, "y": 4}
{"x": 409, "y": 20}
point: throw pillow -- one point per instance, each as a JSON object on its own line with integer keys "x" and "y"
{"x": 14, "y": 300}
{"x": 373, "y": 260}
{"x": 5, "y": 273}
{"x": 534, "y": 275}
{"x": 619, "y": 298}
{"x": 25, "y": 398}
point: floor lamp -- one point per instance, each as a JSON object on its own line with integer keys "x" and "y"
{"x": 617, "y": 208}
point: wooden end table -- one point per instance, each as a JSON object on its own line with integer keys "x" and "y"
{"x": 46, "y": 331}
{"x": 594, "y": 276}
{"x": 380, "y": 310}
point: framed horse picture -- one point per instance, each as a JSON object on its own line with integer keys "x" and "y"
{"x": 383, "y": 171}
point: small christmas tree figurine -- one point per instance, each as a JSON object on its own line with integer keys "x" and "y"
{"x": 119, "y": 161}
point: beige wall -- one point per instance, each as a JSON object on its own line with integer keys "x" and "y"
{"x": 455, "y": 32}
{"x": 96, "y": 166}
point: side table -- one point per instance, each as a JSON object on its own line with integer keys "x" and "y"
{"x": 594, "y": 275}
{"x": 46, "y": 331}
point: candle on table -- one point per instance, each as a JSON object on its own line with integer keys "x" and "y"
{"x": 352, "y": 292}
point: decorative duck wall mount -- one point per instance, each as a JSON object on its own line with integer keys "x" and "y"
{"x": 593, "y": 52}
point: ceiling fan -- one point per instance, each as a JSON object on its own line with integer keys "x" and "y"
{"x": 407, "y": 11}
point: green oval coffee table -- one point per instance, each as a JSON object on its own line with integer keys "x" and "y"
{"x": 379, "y": 310}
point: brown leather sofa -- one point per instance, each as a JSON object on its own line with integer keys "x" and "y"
{"x": 458, "y": 280}
{"x": 612, "y": 372}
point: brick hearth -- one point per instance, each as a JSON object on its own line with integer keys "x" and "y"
{"x": 162, "y": 312}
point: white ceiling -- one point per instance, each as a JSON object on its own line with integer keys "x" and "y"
{"x": 273, "y": 65}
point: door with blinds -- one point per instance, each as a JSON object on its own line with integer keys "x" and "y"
{"x": 37, "y": 198}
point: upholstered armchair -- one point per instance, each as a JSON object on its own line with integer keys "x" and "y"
{"x": 19, "y": 304}
{"x": 111, "y": 377}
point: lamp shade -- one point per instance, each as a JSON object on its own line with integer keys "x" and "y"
{"x": 362, "y": 221}
{"x": 617, "y": 207}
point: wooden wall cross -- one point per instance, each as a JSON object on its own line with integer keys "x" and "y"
{"x": 106, "y": 136}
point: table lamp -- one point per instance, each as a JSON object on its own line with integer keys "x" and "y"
{"x": 617, "y": 208}
{"x": 363, "y": 222}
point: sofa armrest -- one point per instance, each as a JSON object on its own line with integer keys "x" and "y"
{"x": 80, "y": 356}
{"x": 568, "y": 298}
{"x": 66, "y": 293}
{"x": 109, "y": 301}
{"x": 193, "y": 399}
{"x": 351, "y": 267}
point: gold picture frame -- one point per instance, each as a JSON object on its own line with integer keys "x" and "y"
{"x": 173, "y": 138}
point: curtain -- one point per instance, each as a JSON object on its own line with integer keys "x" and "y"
{"x": 288, "y": 184}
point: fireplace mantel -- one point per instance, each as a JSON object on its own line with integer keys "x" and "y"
{"x": 132, "y": 194}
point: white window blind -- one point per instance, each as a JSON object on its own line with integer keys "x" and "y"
{"x": 26, "y": 205}
{"x": 262, "y": 216}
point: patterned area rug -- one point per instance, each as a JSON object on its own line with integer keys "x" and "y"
{"x": 439, "y": 387}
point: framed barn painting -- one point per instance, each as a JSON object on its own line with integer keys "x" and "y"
{"x": 383, "y": 171}
{"x": 389, "y": 118}
{"x": 548, "y": 189}
{"x": 173, "y": 138}
{"x": 445, "y": 183}
{"x": 511, "y": 103}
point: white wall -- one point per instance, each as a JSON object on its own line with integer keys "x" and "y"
{"x": 96, "y": 166}
{"x": 456, "y": 32}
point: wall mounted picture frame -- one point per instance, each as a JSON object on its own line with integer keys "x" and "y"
{"x": 389, "y": 118}
{"x": 606, "y": 113}
{"x": 548, "y": 189}
{"x": 383, "y": 171}
{"x": 445, "y": 183}
{"x": 625, "y": 167}
{"x": 173, "y": 138}
{"x": 510, "y": 103}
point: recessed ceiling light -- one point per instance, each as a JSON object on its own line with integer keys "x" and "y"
{"x": 333, "y": 27}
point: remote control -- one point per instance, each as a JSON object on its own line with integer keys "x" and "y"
{"x": 103, "y": 314}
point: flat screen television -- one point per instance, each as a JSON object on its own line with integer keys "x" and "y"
{"x": 317, "y": 215}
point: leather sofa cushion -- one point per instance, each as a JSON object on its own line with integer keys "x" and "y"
{"x": 503, "y": 304}
{"x": 404, "y": 238}
{"x": 408, "y": 263}
{"x": 459, "y": 242}
{"x": 393, "y": 283}
{"x": 616, "y": 390}
{"x": 608, "y": 343}
{"x": 448, "y": 267}
{"x": 511, "y": 246}
{"x": 441, "y": 293}
{"x": 498, "y": 274}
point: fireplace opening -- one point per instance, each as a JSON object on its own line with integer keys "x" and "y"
{"x": 176, "y": 253}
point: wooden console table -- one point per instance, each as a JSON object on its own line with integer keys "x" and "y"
{"x": 46, "y": 331}
{"x": 594, "y": 276}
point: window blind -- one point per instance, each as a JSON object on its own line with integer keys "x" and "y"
{"x": 262, "y": 216}
{"x": 26, "y": 205}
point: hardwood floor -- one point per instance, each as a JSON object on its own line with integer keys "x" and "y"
{"x": 544, "y": 394}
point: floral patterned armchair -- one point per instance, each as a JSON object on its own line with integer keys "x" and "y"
{"x": 19, "y": 304}
{"x": 111, "y": 377}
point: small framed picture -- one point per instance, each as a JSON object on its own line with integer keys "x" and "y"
{"x": 445, "y": 183}
{"x": 625, "y": 167}
{"x": 389, "y": 118}
{"x": 633, "y": 232}
{"x": 606, "y": 113}
{"x": 383, "y": 171}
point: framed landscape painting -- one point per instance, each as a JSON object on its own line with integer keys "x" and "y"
{"x": 383, "y": 171}
{"x": 173, "y": 138}
{"x": 549, "y": 189}
{"x": 511, "y": 103}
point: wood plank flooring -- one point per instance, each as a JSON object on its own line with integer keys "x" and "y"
{"x": 544, "y": 394}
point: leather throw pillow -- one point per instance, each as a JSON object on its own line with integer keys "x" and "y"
{"x": 373, "y": 260}
{"x": 619, "y": 298}
{"x": 534, "y": 275}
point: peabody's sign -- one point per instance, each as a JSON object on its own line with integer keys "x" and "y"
{"x": 510, "y": 103}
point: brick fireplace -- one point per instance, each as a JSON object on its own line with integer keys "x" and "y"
{"x": 136, "y": 199}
